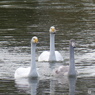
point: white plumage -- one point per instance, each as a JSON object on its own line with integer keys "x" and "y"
{"x": 22, "y": 72}
{"x": 45, "y": 56}
{"x": 51, "y": 55}
{"x": 30, "y": 71}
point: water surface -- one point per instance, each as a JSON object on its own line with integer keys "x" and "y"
{"x": 21, "y": 20}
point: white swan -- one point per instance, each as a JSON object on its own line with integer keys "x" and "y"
{"x": 31, "y": 71}
{"x": 51, "y": 55}
{"x": 68, "y": 70}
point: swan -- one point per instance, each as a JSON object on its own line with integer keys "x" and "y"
{"x": 68, "y": 70}
{"x": 51, "y": 55}
{"x": 31, "y": 71}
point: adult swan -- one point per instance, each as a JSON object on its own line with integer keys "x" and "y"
{"x": 51, "y": 55}
{"x": 31, "y": 71}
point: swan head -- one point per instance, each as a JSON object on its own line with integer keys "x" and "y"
{"x": 34, "y": 39}
{"x": 72, "y": 43}
{"x": 52, "y": 29}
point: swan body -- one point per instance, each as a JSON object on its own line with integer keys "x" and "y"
{"x": 68, "y": 70}
{"x": 51, "y": 55}
{"x": 45, "y": 56}
{"x": 30, "y": 72}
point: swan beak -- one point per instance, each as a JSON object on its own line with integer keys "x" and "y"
{"x": 36, "y": 40}
{"x": 53, "y": 29}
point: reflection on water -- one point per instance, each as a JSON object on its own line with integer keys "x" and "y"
{"x": 20, "y": 20}
{"x": 72, "y": 85}
{"x": 91, "y": 91}
{"x": 29, "y": 86}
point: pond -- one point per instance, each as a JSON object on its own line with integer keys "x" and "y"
{"x": 20, "y": 20}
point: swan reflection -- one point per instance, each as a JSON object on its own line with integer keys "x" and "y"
{"x": 72, "y": 85}
{"x": 91, "y": 91}
{"x": 27, "y": 85}
{"x": 62, "y": 84}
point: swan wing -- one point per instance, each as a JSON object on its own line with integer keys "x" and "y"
{"x": 22, "y": 72}
{"x": 58, "y": 56}
{"x": 61, "y": 71}
{"x": 44, "y": 56}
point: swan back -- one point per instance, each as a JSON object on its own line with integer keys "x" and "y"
{"x": 45, "y": 56}
{"x": 61, "y": 71}
{"x": 22, "y": 73}
{"x": 58, "y": 56}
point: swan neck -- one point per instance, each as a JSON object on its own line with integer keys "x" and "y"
{"x": 72, "y": 55}
{"x": 33, "y": 72}
{"x": 72, "y": 71}
{"x": 33, "y": 48}
{"x": 52, "y": 47}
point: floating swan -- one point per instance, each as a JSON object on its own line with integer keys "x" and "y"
{"x": 68, "y": 70}
{"x": 30, "y": 71}
{"x": 51, "y": 55}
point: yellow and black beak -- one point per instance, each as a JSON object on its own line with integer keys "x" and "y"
{"x": 53, "y": 29}
{"x": 36, "y": 40}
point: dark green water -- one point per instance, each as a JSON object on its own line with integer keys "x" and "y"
{"x": 20, "y": 20}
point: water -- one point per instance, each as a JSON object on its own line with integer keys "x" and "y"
{"x": 21, "y": 20}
